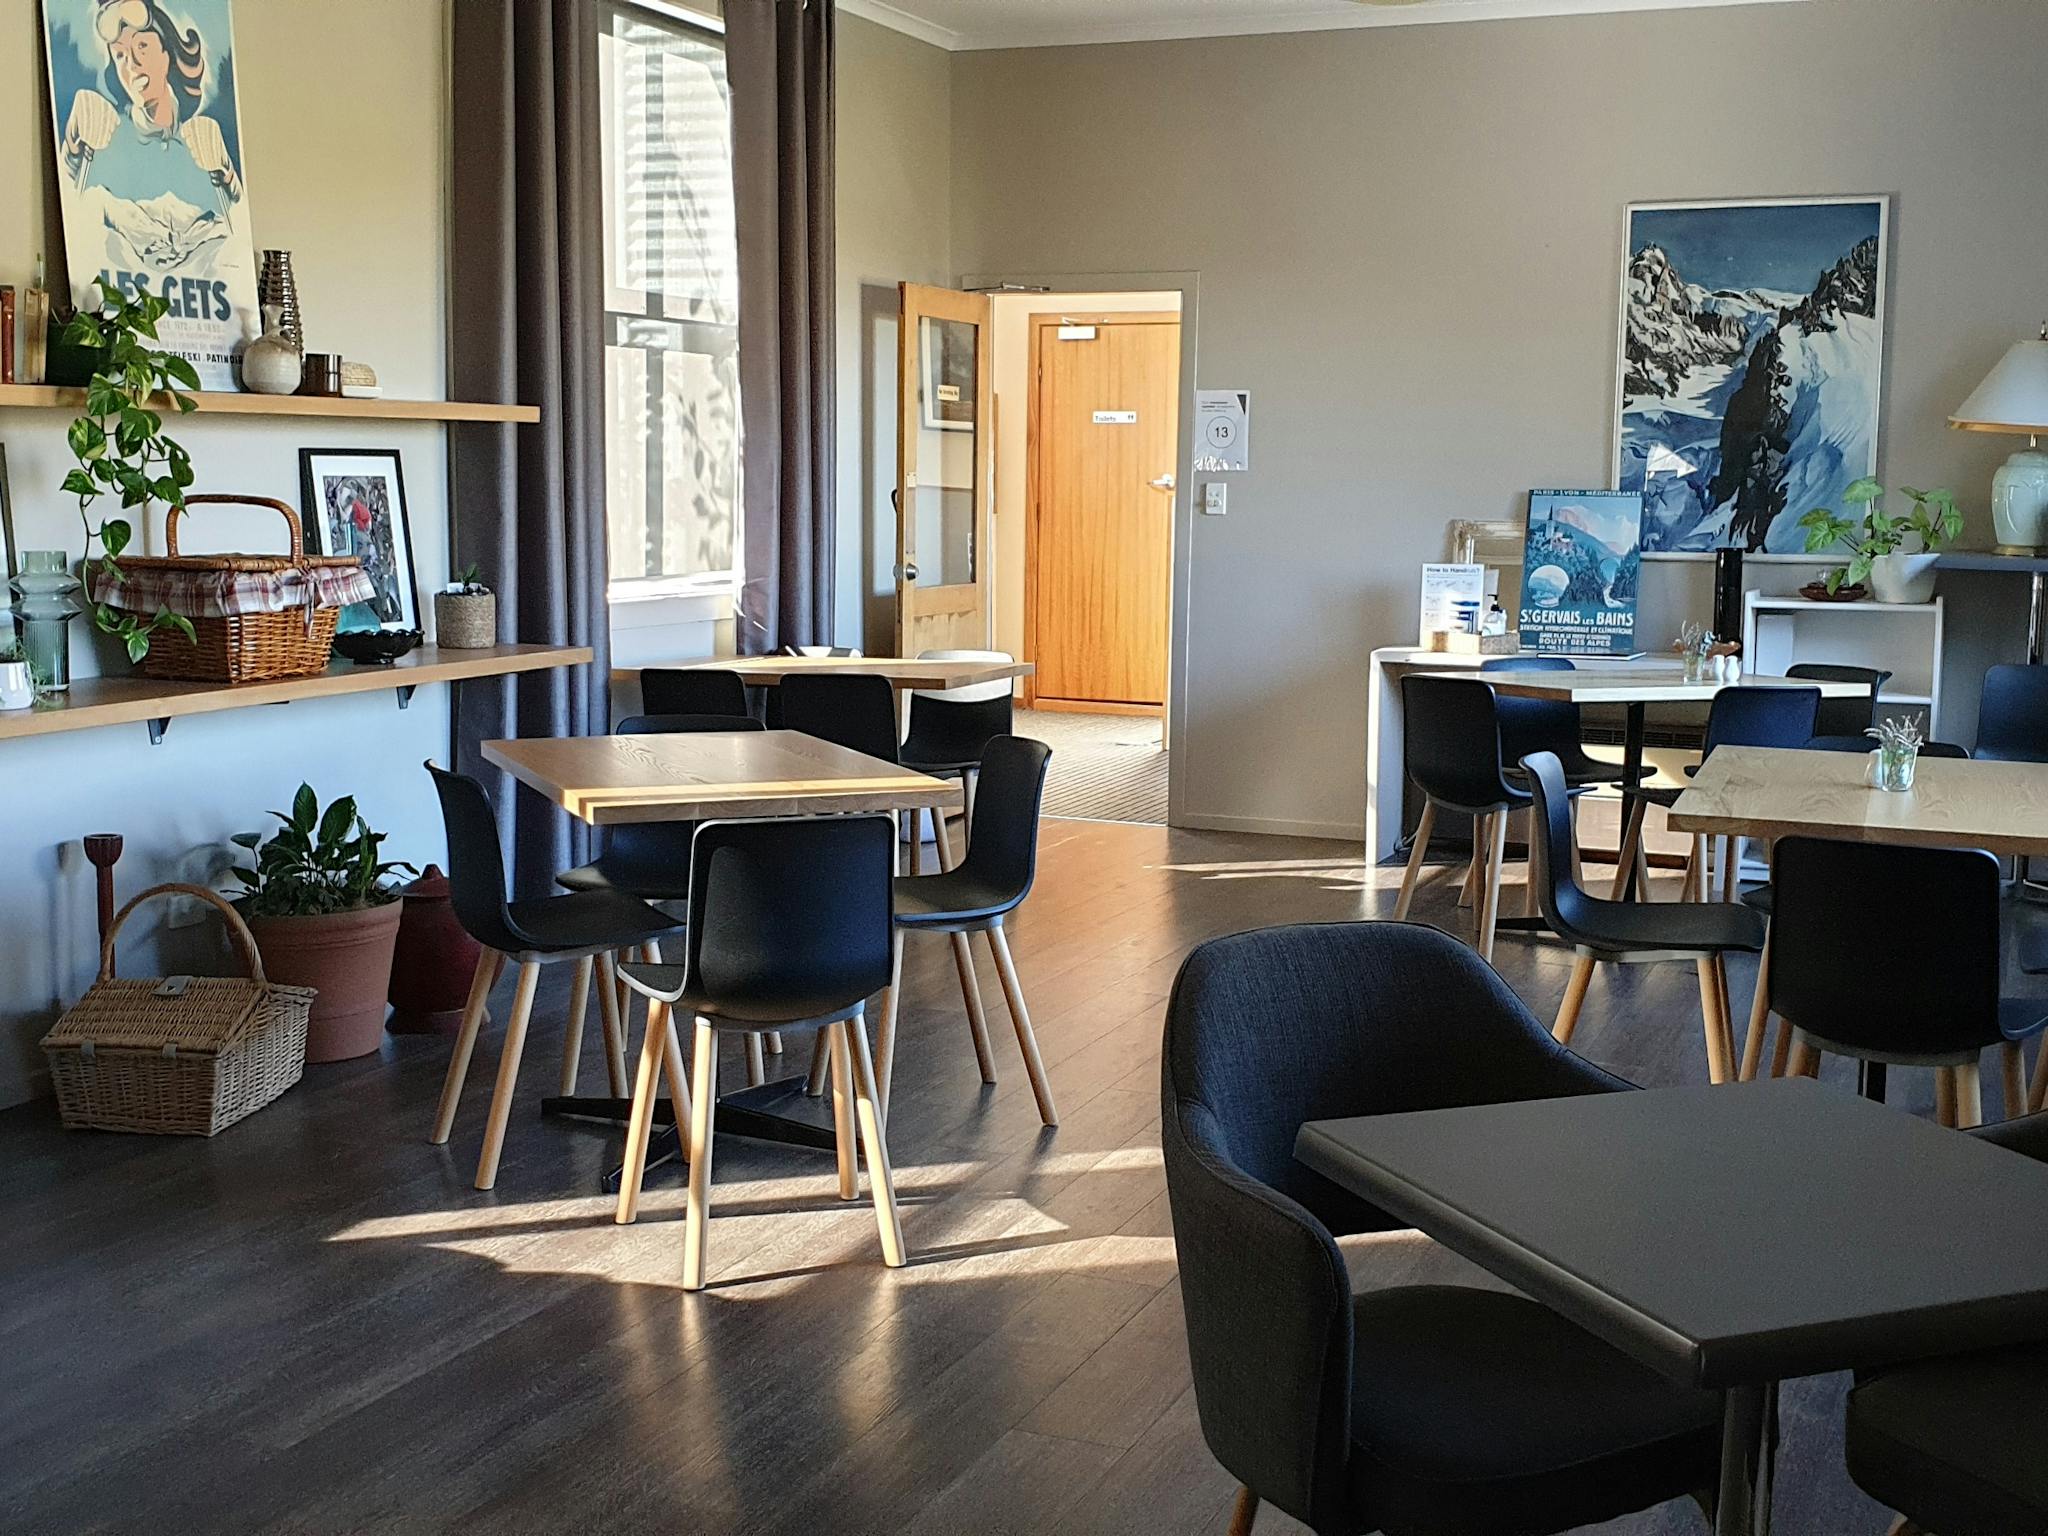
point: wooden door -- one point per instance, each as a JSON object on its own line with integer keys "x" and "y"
{"x": 945, "y": 442}
{"x": 1105, "y": 429}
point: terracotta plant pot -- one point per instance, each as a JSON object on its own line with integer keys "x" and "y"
{"x": 346, "y": 956}
{"x": 434, "y": 962}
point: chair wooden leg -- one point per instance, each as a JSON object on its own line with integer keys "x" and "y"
{"x": 640, "y": 1123}
{"x": 1243, "y": 1513}
{"x": 488, "y": 965}
{"x": 1574, "y": 999}
{"x": 1489, "y": 896}
{"x": 1969, "y": 1096}
{"x": 1944, "y": 1097}
{"x": 1759, "y": 1015}
{"x": 881, "y": 1180}
{"x": 2012, "y": 1063}
{"x": 1804, "y": 1060}
{"x": 1781, "y": 1052}
{"x": 1727, "y": 1016}
{"x": 885, "y": 1032}
{"x": 1731, "y": 868}
{"x": 572, "y": 1038}
{"x": 757, "y": 1066}
{"x": 1695, "y": 867}
{"x": 942, "y": 838}
{"x": 1424, "y": 825}
{"x": 2037, "y": 1092}
{"x": 508, "y": 1075}
{"x": 703, "y": 1100}
{"x": 1468, "y": 892}
{"x": 1642, "y": 863}
{"x": 1631, "y": 839}
{"x": 1020, "y": 1016}
{"x": 970, "y": 781}
{"x": 677, "y": 1066}
{"x": 609, "y": 1012}
{"x": 916, "y": 842}
{"x": 1711, "y": 1022}
{"x": 821, "y": 1064}
{"x": 977, "y": 1016}
{"x": 842, "y": 1109}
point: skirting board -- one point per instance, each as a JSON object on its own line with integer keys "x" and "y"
{"x": 1268, "y": 826}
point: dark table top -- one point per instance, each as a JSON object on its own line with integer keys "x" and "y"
{"x": 1728, "y": 1235}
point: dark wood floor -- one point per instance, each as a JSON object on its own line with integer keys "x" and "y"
{"x": 314, "y": 1324}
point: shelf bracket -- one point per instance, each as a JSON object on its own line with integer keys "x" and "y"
{"x": 157, "y": 727}
{"x": 405, "y": 691}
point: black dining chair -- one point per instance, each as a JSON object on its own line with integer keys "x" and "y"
{"x": 975, "y": 896}
{"x": 1741, "y": 715}
{"x": 692, "y": 691}
{"x": 584, "y": 925}
{"x": 1631, "y": 932}
{"x": 1954, "y": 1443}
{"x": 1410, "y": 1408}
{"x": 789, "y": 931}
{"x": 858, "y": 713}
{"x": 951, "y": 728}
{"x": 1934, "y": 1002}
{"x": 2012, "y": 715}
{"x": 1547, "y": 725}
{"x": 772, "y": 709}
{"x": 1848, "y": 715}
{"x": 1453, "y": 749}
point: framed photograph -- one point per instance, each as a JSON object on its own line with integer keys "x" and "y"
{"x": 1580, "y": 571}
{"x": 1751, "y": 355}
{"x": 354, "y": 504}
{"x": 948, "y": 387}
{"x": 10, "y": 555}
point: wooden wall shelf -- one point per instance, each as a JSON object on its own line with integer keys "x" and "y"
{"x": 64, "y": 397}
{"x": 98, "y": 701}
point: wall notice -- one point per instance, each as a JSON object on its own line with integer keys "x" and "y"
{"x": 1223, "y": 430}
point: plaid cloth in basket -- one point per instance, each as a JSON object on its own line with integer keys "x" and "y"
{"x": 219, "y": 594}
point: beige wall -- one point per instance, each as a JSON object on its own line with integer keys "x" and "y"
{"x": 359, "y": 196}
{"x": 1011, "y": 367}
{"x": 1408, "y": 246}
{"x": 894, "y": 225}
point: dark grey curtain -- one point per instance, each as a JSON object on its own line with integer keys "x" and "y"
{"x": 526, "y": 250}
{"x": 779, "y": 62}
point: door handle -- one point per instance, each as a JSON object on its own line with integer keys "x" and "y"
{"x": 910, "y": 572}
{"x": 1163, "y": 483}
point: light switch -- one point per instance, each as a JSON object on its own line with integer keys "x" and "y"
{"x": 1213, "y": 498}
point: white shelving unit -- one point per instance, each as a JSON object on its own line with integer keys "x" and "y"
{"x": 1902, "y": 638}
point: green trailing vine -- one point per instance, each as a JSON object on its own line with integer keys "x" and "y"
{"x": 120, "y": 444}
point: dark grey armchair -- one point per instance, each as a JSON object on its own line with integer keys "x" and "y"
{"x": 1955, "y": 1444}
{"x": 1441, "y": 1409}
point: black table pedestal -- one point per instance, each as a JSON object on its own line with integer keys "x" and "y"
{"x": 1749, "y": 1450}
{"x": 779, "y": 1111}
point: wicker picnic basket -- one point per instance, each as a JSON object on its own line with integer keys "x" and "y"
{"x": 255, "y": 616}
{"x": 187, "y": 1056}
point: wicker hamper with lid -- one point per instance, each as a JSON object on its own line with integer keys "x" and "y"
{"x": 254, "y": 616}
{"x": 187, "y": 1056}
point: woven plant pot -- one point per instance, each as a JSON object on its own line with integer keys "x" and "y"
{"x": 466, "y": 621}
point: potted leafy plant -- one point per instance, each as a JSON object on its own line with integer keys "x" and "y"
{"x": 466, "y": 614}
{"x": 1897, "y": 554}
{"x": 120, "y": 446}
{"x": 325, "y": 916}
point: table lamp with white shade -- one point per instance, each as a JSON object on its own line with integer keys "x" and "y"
{"x": 2014, "y": 398}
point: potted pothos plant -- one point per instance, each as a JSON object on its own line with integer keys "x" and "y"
{"x": 120, "y": 444}
{"x": 325, "y": 915}
{"x": 1897, "y": 554}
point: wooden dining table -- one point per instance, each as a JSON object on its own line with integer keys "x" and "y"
{"x": 903, "y": 673}
{"x": 698, "y": 776}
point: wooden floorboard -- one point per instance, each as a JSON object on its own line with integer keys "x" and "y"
{"x": 313, "y": 1323}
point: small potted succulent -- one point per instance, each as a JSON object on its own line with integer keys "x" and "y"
{"x": 466, "y": 614}
{"x": 1897, "y": 554}
{"x": 325, "y": 916}
{"x": 17, "y": 688}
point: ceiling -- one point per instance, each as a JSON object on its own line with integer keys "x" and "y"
{"x": 966, "y": 24}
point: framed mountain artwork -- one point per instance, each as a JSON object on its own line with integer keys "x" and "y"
{"x": 1580, "y": 568}
{"x": 1751, "y": 356}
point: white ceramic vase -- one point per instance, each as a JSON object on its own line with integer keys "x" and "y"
{"x": 271, "y": 365}
{"x": 17, "y": 690}
{"x": 1903, "y": 578}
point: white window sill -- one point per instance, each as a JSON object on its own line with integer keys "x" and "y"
{"x": 648, "y": 610}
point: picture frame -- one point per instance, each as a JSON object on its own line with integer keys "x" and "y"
{"x": 10, "y": 551}
{"x": 1728, "y": 455}
{"x": 353, "y": 502}
{"x": 949, "y": 382}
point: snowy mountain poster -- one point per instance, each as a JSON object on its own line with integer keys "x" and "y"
{"x": 149, "y": 167}
{"x": 1579, "y": 570}
{"x": 1752, "y": 341}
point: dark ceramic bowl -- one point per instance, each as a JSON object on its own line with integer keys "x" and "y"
{"x": 376, "y": 647}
